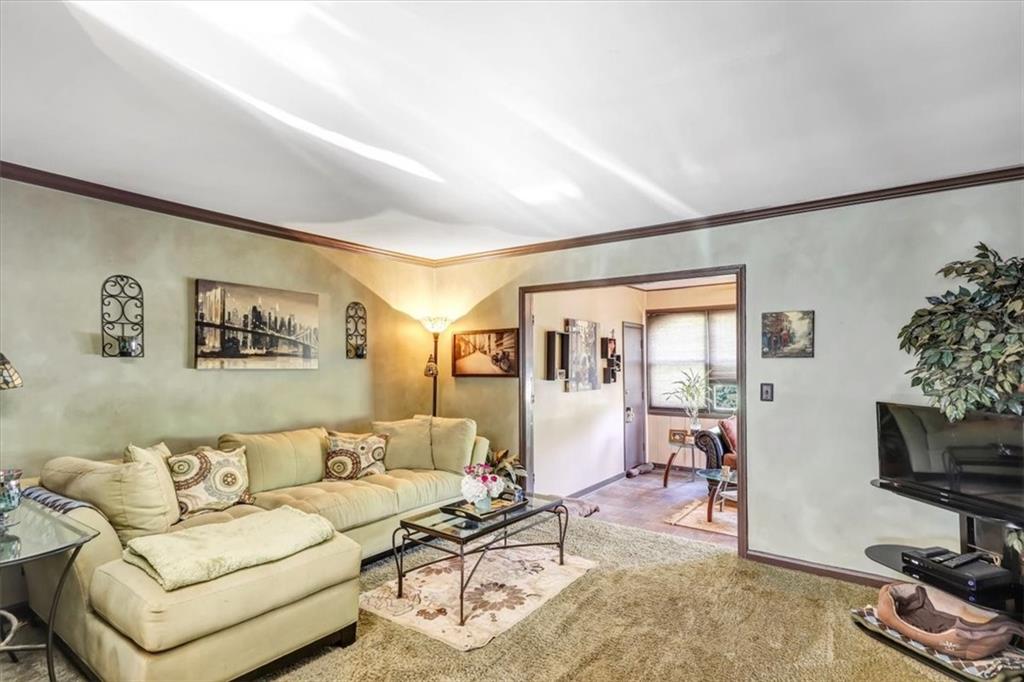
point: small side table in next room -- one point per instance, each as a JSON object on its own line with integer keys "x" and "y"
{"x": 37, "y": 533}
{"x": 689, "y": 443}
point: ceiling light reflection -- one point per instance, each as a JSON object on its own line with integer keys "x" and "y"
{"x": 547, "y": 193}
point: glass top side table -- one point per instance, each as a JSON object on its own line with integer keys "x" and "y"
{"x": 37, "y": 532}
{"x": 720, "y": 492}
{"x": 688, "y": 443}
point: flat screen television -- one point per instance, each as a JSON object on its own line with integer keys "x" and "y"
{"x": 974, "y": 466}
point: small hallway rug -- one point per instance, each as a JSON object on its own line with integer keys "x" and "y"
{"x": 508, "y": 586}
{"x": 695, "y": 515}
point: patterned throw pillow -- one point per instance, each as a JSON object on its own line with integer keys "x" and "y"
{"x": 354, "y": 455}
{"x": 209, "y": 480}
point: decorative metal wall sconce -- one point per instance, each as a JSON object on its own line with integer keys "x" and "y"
{"x": 121, "y": 318}
{"x": 355, "y": 330}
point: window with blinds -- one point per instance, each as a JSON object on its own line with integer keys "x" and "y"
{"x": 697, "y": 339}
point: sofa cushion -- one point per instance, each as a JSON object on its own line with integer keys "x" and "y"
{"x": 728, "y": 427}
{"x": 209, "y": 480}
{"x": 128, "y": 494}
{"x": 235, "y": 512}
{"x": 157, "y": 455}
{"x": 418, "y": 487}
{"x": 451, "y": 443}
{"x": 408, "y": 443}
{"x": 346, "y": 504}
{"x": 282, "y": 459}
{"x": 354, "y": 455}
{"x": 157, "y": 620}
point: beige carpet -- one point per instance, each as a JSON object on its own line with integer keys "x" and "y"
{"x": 695, "y": 515}
{"x": 657, "y": 607}
{"x": 506, "y": 587}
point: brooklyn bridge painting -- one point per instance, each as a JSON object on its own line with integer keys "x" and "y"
{"x": 246, "y": 327}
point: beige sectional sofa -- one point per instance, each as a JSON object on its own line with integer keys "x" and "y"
{"x": 123, "y": 626}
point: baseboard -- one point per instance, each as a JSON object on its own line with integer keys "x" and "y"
{"x": 675, "y": 467}
{"x": 591, "y": 488}
{"x": 847, "y": 575}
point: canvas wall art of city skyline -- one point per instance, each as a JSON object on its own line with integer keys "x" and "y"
{"x": 238, "y": 326}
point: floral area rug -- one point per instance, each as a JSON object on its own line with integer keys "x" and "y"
{"x": 508, "y": 586}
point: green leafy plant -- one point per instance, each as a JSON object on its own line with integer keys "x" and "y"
{"x": 970, "y": 343}
{"x": 693, "y": 391}
{"x": 506, "y": 465}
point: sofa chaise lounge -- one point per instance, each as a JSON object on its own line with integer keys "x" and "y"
{"x": 121, "y": 625}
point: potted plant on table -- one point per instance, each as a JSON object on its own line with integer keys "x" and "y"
{"x": 480, "y": 485}
{"x": 508, "y": 466}
{"x": 693, "y": 392}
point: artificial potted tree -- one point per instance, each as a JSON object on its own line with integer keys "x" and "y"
{"x": 969, "y": 343}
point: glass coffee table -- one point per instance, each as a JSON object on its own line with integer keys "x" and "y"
{"x": 38, "y": 532}
{"x": 460, "y": 538}
{"x": 721, "y": 491}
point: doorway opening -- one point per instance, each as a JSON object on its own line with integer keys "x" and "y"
{"x": 601, "y": 414}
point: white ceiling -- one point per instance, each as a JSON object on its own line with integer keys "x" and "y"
{"x": 450, "y": 128}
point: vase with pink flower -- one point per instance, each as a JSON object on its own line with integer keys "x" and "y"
{"x": 480, "y": 485}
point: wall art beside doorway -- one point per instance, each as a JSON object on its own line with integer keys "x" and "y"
{"x": 583, "y": 373}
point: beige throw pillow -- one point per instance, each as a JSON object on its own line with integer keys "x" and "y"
{"x": 408, "y": 443}
{"x": 129, "y": 494}
{"x": 281, "y": 459}
{"x": 209, "y": 480}
{"x": 451, "y": 442}
{"x": 157, "y": 455}
{"x": 354, "y": 455}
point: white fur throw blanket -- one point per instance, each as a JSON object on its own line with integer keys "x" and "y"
{"x": 203, "y": 553}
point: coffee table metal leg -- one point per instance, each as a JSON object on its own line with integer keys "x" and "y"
{"x": 53, "y": 613}
{"x": 462, "y": 584}
{"x": 562, "y": 512}
{"x": 399, "y": 555}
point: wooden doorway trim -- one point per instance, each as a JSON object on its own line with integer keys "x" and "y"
{"x": 527, "y": 364}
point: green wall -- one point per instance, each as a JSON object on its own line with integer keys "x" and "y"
{"x": 55, "y": 251}
{"x": 811, "y": 453}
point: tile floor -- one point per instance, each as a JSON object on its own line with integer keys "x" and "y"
{"x": 642, "y": 502}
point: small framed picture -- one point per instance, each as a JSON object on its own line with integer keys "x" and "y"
{"x": 486, "y": 353}
{"x": 678, "y": 436}
{"x": 608, "y": 347}
{"x": 787, "y": 334}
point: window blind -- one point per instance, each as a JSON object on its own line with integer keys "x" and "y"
{"x": 722, "y": 345}
{"x": 679, "y": 341}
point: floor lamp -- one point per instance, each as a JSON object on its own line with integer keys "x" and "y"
{"x": 434, "y": 325}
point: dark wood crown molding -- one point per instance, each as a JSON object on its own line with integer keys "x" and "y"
{"x": 64, "y": 183}
{"x": 33, "y": 176}
{"x": 942, "y": 185}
